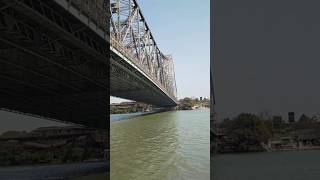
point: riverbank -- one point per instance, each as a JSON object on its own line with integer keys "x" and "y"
{"x": 251, "y": 133}
{"x": 262, "y": 148}
{"x": 52, "y": 145}
{"x": 296, "y": 149}
{"x": 100, "y": 176}
{"x": 130, "y": 107}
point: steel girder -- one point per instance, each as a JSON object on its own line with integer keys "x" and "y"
{"x": 130, "y": 35}
{"x": 52, "y": 64}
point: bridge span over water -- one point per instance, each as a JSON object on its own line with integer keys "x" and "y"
{"x": 139, "y": 70}
{"x": 55, "y": 59}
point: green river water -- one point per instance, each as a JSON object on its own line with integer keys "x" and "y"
{"x": 164, "y": 146}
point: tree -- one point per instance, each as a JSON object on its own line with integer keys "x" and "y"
{"x": 186, "y": 103}
{"x": 249, "y": 127}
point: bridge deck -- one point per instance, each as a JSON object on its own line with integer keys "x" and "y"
{"x": 139, "y": 70}
{"x": 52, "y": 64}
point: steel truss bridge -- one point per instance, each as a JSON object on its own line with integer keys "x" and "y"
{"x": 139, "y": 70}
{"x": 54, "y": 59}
{"x": 59, "y": 59}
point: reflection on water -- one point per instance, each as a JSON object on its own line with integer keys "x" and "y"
{"x": 169, "y": 145}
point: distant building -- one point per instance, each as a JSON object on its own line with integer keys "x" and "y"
{"x": 291, "y": 117}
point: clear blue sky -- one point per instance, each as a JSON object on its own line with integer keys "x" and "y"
{"x": 182, "y": 28}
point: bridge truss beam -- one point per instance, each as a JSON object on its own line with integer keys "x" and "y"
{"x": 131, "y": 35}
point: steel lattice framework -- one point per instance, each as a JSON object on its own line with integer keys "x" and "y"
{"x": 130, "y": 34}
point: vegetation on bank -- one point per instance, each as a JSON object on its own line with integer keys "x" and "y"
{"x": 249, "y": 132}
{"x": 132, "y": 107}
{"x": 245, "y": 133}
{"x": 189, "y": 103}
{"x": 246, "y": 127}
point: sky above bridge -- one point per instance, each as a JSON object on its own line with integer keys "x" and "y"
{"x": 266, "y": 56}
{"x": 182, "y": 28}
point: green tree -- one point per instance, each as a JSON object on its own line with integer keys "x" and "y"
{"x": 249, "y": 128}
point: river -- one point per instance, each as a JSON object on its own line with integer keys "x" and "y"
{"x": 170, "y": 145}
{"x": 290, "y": 165}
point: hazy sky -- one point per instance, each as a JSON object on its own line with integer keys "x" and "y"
{"x": 267, "y": 56}
{"x": 182, "y": 28}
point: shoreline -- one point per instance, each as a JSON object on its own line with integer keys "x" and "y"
{"x": 274, "y": 150}
{"x": 127, "y": 116}
{"x": 297, "y": 149}
{"x": 64, "y": 171}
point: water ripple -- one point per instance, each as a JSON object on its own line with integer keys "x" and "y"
{"x": 170, "y": 145}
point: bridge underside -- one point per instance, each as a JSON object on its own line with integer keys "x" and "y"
{"x": 47, "y": 66}
{"x": 127, "y": 82}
